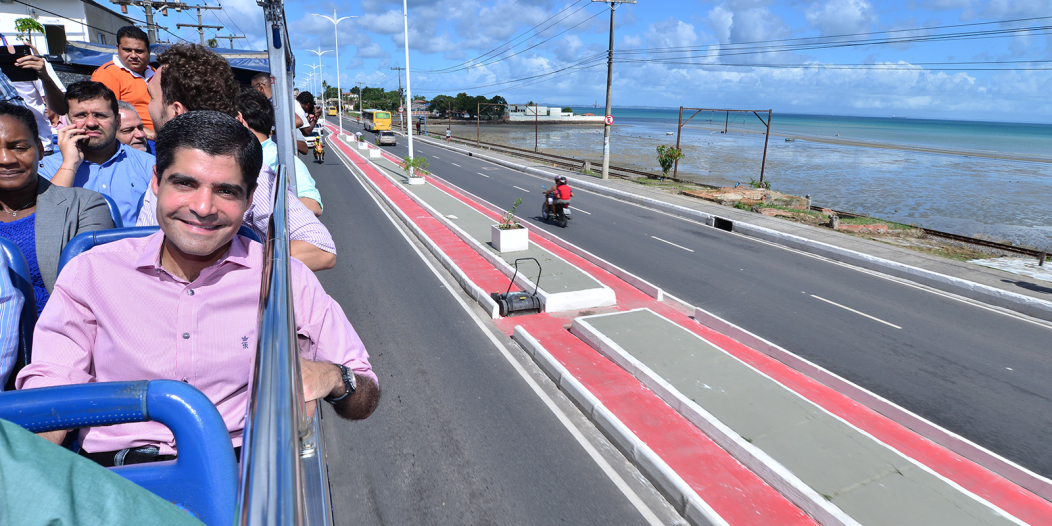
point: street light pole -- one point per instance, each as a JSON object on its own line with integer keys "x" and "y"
{"x": 315, "y": 75}
{"x": 319, "y": 52}
{"x": 408, "y": 92}
{"x": 609, "y": 85}
{"x": 339, "y": 90}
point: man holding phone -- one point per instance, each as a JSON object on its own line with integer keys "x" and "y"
{"x": 91, "y": 156}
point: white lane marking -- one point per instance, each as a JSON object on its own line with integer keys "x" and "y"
{"x": 860, "y": 313}
{"x": 605, "y": 466}
{"x": 520, "y": 188}
{"x": 575, "y": 209}
{"x": 455, "y": 164}
{"x": 673, "y": 244}
{"x": 482, "y": 174}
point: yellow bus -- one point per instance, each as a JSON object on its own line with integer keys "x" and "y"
{"x": 332, "y": 110}
{"x": 376, "y": 120}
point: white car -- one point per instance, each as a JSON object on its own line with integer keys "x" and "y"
{"x": 386, "y": 137}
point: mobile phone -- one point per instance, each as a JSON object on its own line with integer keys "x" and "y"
{"x": 13, "y": 72}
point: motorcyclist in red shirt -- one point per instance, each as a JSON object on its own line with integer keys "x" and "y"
{"x": 560, "y": 194}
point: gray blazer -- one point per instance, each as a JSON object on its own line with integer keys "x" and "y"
{"x": 61, "y": 214}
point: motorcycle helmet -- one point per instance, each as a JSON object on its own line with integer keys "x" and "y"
{"x": 560, "y": 180}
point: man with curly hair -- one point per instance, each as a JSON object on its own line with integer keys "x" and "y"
{"x": 191, "y": 77}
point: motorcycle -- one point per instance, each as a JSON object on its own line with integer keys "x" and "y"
{"x": 560, "y": 213}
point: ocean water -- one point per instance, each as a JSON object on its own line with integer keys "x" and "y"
{"x": 985, "y": 179}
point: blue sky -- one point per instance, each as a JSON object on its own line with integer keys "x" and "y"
{"x": 721, "y": 53}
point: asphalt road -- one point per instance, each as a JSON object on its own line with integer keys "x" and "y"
{"x": 976, "y": 372}
{"x": 459, "y": 436}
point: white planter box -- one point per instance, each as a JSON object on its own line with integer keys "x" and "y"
{"x": 362, "y": 145}
{"x": 514, "y": 240}
{"x": 416, "y": 180}
{"x": 374, "y": 153}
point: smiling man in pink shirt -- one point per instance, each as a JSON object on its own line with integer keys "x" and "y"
{"x": 193, "y": 317}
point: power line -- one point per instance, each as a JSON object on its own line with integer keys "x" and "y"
{"x": 510, "y": 42}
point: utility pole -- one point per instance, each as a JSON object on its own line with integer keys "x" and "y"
{"x": 609, "y": 84}
{"x": 230, "y": 38}
{"x": 200, "y": 26}
{"x": 400, "y": 94}
{"x": 148, "y": 6}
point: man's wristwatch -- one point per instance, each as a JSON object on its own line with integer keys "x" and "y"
{"x": 348, "y": 382}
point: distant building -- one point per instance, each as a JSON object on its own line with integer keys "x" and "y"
{"x": 524, "y": 113}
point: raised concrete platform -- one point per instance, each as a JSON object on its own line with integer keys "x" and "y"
{"x": 834, "y": 471}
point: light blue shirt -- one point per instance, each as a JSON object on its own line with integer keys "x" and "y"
{"x": 10, "y": 314}
{"x": 305, "y": 185}
{"x": 125, "y": 177}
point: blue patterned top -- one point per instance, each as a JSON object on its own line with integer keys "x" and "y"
{"x": 23, "y": 233}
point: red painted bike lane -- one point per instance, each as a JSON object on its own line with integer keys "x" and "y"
{"x": 734, "y": 492}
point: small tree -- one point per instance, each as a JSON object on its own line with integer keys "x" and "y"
{"x": 567, "y": 110}
{"x": 415, "y": 164}
{"x": 508, "y": 220}
{"x": 213, "y": 43}
{"x": 667, "y": 157}
{"x": 25, "y": 28}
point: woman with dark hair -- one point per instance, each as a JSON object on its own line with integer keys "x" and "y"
{"x": 38, "y": 216}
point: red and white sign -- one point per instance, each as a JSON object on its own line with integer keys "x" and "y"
{"x": 401, "y": 109}
{"x": 609, "y": 120}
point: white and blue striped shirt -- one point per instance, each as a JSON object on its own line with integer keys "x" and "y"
{"x": 10, "y": 313}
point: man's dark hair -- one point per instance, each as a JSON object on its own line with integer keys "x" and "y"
{"x": 306, "y": 98}
{"x": 261, "y": 76}
{"x": 133, "y": 33}
{"x": 86, "y": 90}
{"x": 24, "y": 115}
{"x": 256, "y": 110}
{"x": 198, "y": 78}
{"x": 215, "y": 134}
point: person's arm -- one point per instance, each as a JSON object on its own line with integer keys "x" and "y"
{"x": 311, "y": 205}
{"x": 315, "y": 258}
{"x": 72, "y": 156}
{"x": 94, "y": 214}
{"x": 54, "y": 98}
{"x": 324, "y": 379}
{"x": 63, "y": 340}
{"x": 326, "y": 338}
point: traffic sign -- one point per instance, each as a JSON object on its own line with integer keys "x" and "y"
{"x": 401, "y": 109}
{"x": 609, "y": 120}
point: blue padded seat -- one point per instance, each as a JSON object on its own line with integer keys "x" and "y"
{"x": 19, "y": 271}
{"x": 204, "y": 477}
{"x": 87, "y": 240}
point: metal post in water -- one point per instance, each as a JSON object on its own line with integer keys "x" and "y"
{"x": 679, "y": 130}
{"x": 766, "y": 139}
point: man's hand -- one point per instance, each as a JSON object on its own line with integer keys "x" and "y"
{"x": 150, "y": 134}
{"x": 32, "y": 62}
{"x": 320, "y": 379}
{"x": 68, "y": 138}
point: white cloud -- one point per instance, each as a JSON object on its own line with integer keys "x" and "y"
{"x": 841, "y": 17}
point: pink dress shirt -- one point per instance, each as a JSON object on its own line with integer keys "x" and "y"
{"x": 303, "y": 224}
{"x": 117, "y": 315}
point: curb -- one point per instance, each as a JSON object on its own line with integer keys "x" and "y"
{"x": 1027, "y": 305}
{"x": 482, "y": 297}
{"x": 756, "y": 460}
{"x": 671, "y": 485}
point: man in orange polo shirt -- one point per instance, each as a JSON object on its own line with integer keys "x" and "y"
{"x": 129, "y": 71}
